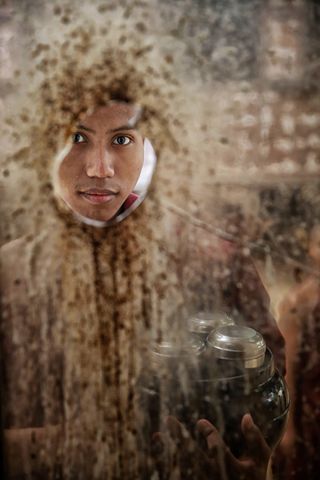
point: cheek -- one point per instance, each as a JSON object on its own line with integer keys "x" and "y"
{"x": 135, "y": 172}
{"x": 68, "y": 171}
{"x": 138, "y": 161}
{"x": 130, "y": 167}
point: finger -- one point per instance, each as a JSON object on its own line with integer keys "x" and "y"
{"x": 257, "y": 447}
{"x": 176, "y": 429}
{"x": 184, "y": 451}
{"x": 157, "y": 443}
{"x": 211, "y": 435}
{"x": 218, "y": 451}
{"x": 205, "y": 427}
{"x": 161, "y": 453}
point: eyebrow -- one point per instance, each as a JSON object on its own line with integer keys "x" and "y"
{"x": 117, "y": 129}
{"x": 83, "y": 127}
{"x": 123, "y": 127}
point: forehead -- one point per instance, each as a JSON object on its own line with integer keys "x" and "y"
{"x": 113, "y": 115}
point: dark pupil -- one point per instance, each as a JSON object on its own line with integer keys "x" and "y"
{"x": 77, "y": 137}
{"x": 121, "y": 140}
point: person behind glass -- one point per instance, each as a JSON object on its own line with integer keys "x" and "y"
{"x": 299, "y": 321}
{"x": 95, "y": 176}
{"x": 96, "y": 180}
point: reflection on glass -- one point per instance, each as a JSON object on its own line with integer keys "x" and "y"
{"x": 104, "y": 171}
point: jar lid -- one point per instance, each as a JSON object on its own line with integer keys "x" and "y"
{"x": 174, "y": 348}
{"x": 205, "y": 322}
{"x": 237, "y": 342}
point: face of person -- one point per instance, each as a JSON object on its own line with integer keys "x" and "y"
{"x": 102, "y": 167}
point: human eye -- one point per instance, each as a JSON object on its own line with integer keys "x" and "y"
{"x": 121, "y": 140}
{"x": 78, "y": 138}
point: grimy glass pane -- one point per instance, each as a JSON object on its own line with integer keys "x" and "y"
{"x": 160, "y": 241}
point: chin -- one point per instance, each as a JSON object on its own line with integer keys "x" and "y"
{"x": 98, "y": 216}
{"x": 99, "y": 213}
{"x": 91, "y": 214}
{"x": 96, "y": 219}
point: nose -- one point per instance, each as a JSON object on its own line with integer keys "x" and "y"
{"x": 100, "y": 164}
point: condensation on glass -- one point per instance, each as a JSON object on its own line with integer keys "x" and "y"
{"x": 160, "y": 239}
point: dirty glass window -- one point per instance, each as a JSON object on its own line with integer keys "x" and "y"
{"x": 160, "y": 243}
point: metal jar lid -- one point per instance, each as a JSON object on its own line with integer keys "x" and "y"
{"x": 169, "y": 349}
{"x": 205, "y": 322}
{"x": 237, "y": 342}
{"x": 177, "y": 348}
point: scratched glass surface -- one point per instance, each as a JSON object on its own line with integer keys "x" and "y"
{"x": 109, "y": 294}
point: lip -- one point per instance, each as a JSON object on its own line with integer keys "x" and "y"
{"x": 96, "y": 196}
